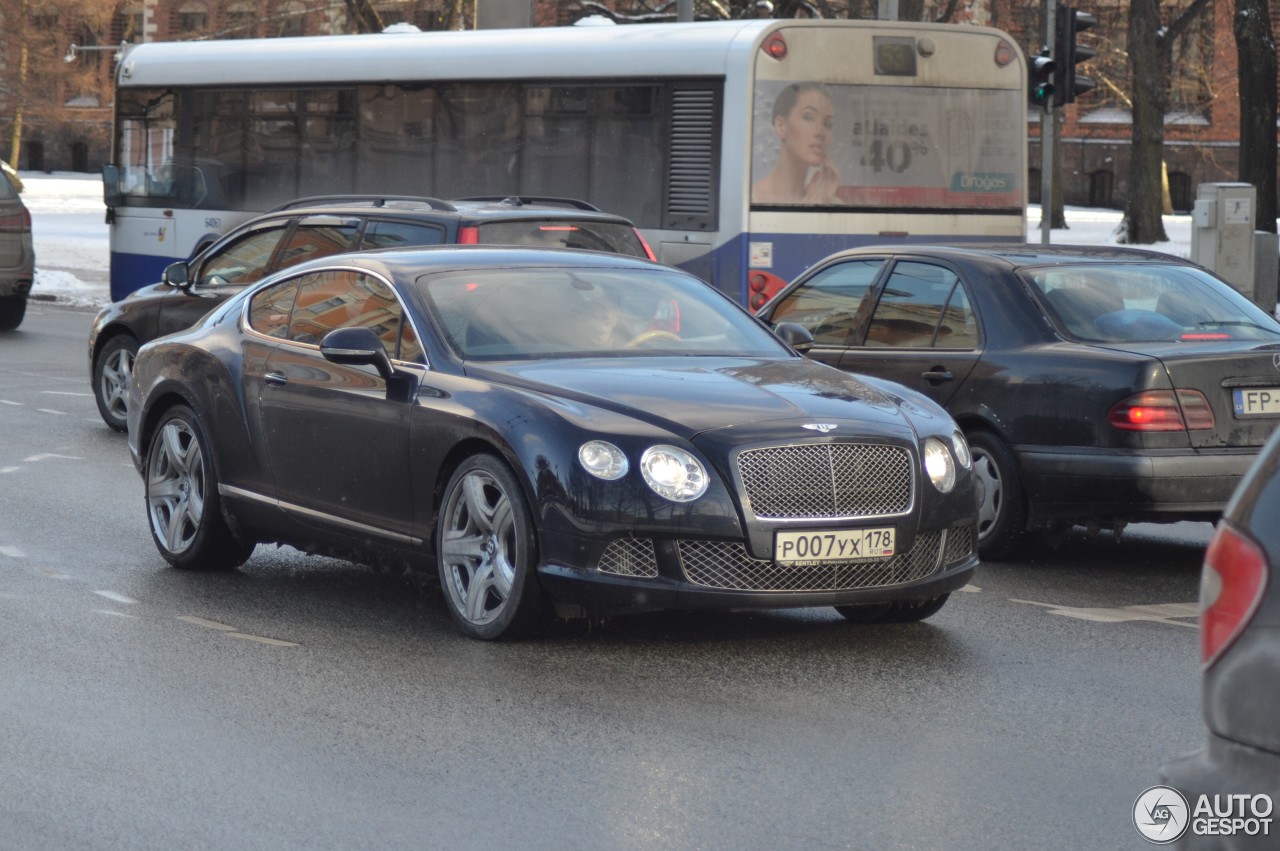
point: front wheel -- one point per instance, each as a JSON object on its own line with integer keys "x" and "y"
{"x": 1002, "y": 507}
{"x": 182, "y": 498}
{"x": 486, "y": 551}
{"x": 12, "y": 309}
{"x": 112, "y": 377}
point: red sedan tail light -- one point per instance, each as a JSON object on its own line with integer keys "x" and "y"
{"x": 468, "y": 235}
{"x": 1162, "y": 410}
{"x": 1235, "y": 575}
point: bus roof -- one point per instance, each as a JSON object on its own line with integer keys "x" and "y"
{"x": 704, "y": 48}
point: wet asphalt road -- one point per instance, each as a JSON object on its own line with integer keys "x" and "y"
{"x": 312, "y": 703}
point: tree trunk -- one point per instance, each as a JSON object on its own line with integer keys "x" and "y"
{"x": 1256, "y": 49}
{"x": 15, "y": 139}
{"x": 1149, "y": 65}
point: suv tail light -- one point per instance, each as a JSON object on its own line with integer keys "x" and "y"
{"x": 1231, "y": 586}
{"x": 469, "y": 235}
{"x": 1162, "y": 410}
{"x": 647, "y": 250}
{"x": 19, "y": 222}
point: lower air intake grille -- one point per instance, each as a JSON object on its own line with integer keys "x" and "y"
{"x": 728, "y": 566}
{"x": 630, "y": 557}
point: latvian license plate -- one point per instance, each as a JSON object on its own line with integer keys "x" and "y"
{"x": 1255, "y": 401}
{"x": 802, "y": 548}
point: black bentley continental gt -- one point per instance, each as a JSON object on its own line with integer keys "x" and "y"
{"x": 559, "y": 431}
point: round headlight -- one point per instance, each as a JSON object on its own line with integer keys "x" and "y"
{"x": 673, "y": 473}
{"x": 961, "y": 447}
{"x": 602, "y": 460}
{"x": 939, "y": 465}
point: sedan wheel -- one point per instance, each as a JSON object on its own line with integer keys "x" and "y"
{"x": 1002, "y": 513}
{"x": 486, "y": 552}
{"x": 182, "y": 498}
{"x": 112, "y": 377}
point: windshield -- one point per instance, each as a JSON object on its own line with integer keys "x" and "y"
{"x": 505, "y": 314}
{"x": 613, "y": 237}
{"x": 1148, "y": 303}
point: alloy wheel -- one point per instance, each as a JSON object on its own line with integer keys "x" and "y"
{"x": 478, "y": 550}
{"x": 176, "y": 486}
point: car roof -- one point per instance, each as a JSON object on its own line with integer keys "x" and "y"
{"x": 418, "y": 260}
{"x": 479, "y": 208}
{"x": 1021, "y": 255}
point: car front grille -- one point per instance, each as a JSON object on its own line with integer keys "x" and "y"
{"x": 630, "y": 557}
{"x": 727, "y": 566}
{"x": 827, "y": 480}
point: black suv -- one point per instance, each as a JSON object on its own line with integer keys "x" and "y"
{"x": 317, "y": 227}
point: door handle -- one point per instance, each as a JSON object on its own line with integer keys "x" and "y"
{"x": 275, "y": 379}
{"x": 938, "y": 374}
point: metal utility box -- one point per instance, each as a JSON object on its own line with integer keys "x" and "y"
{"x": 1222, "y": 224}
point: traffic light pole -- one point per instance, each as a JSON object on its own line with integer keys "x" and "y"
{"x": 1047, "y": 135}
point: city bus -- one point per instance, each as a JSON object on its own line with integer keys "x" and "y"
{"x": 743, "y": 150}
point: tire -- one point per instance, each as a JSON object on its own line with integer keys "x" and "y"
{"x": 911, "y": 611}
{"x": 12, "y": 309}
{"x": 1002, "y": 506}
{"x": 112, "y": 375}
{"x": 183, "y": 507}
{"x": 487, "y": 552}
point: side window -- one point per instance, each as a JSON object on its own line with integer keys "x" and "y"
{"x": 269, "y": 310}
{"x": 410, "y": 347}
{"x": 380, "y": 234}
{"x": 910, "y": 307}
{"x": 827, "y": 304}
{"x": 243, "y": 261}
{"x": 345, "y": 299}
{"x": 959, "y": 328}
{"x": 311, "y": 240}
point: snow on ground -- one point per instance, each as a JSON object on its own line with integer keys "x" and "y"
{"x": 70, "y": 234}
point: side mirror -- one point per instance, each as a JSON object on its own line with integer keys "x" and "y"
{"x": 357, "y": 347}
{"x": 177, "y": 275}
{"x": 795, "y": 336}
{"x": 111, "y": 194}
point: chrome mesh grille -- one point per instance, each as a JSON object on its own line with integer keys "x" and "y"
{"x": 959, "y": 544}
{"x": 728, "y": 566}
{"x": 819, "y": 480}
{"x": 630, "y": 557}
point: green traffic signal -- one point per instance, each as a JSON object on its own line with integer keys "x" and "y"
{"x": 1040, "y": 73}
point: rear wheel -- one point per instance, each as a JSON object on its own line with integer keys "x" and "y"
{"x": 12, "y": 309}
{"x": 1002, "y": 506}
{"x": 486, "y": 551}
{"x": 112, "y": 376}
{"x": 182, "y": 498}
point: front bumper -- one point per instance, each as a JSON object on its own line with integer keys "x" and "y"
{"x": 666, "y": 576}
{"x": 1177, "y": 484}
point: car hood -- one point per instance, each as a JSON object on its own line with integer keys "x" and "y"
{"x": 688, "y": 396}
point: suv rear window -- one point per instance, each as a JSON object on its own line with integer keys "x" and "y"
{"x": 595, "y": 236}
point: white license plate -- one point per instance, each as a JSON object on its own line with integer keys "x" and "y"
{"x": 1257, "y": 401}
{"x": 802, "y": 548}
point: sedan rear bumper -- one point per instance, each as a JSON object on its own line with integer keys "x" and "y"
{"x": 1223, "y": 768}
{"x": 1074, "y": 483}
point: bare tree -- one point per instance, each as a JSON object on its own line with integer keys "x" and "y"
{"x": 1151, "y": 61}
{"x": 1256, "y": 49}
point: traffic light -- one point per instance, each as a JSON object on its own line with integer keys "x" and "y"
{"x": 1067, "y": 84}
{"x": 1040, "y": 72}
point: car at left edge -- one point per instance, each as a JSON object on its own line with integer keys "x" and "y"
{"x": 558, "y": 431}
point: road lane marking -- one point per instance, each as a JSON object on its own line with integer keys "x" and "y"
{"x": 972, "y": 589}
{"x": 15, "y": 404}
{"x": 53, "y": 574}
{"x": 119, "y": 598}
{"x": 258, "y": 638}
{"x": 1155, "y": 613}
{"x": 51, "y": 411}
{"x": 206, "y": 624}
{"x": 64, "y": 393}
{"x": 9, "y": 469}
{"x": 116, "y": 614}
{"x": 45, "y": 456}
{"x": 12, "y": 552}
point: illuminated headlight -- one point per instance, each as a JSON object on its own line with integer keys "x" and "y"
{"x": 673, "y": 473}
{"x": 939, "y": 465}
{"x": 961, "y": 447}
{"x": 602, "y": 460}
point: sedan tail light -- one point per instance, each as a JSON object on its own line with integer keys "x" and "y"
{"x": 469, "y": 235}
{"x": 1231, "y": 586}
{"x": 19, "y": 222}
{"x": 1162, "y": 410}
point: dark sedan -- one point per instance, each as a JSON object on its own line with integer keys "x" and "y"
{"x": 1240, "y": 649}
{"x": 1096, "y": 385}
{"x": 560, "y": 430}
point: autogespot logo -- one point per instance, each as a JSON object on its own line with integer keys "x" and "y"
{"x": 1160, "y": 814}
